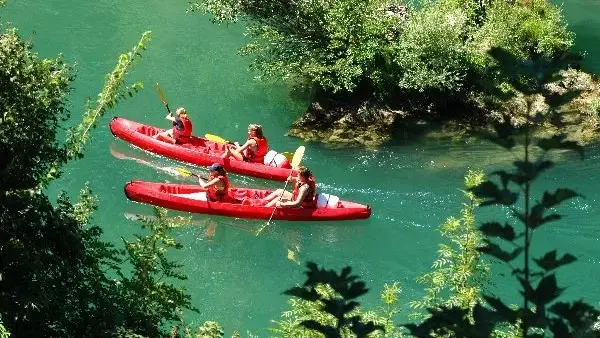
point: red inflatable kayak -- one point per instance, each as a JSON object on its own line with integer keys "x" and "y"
{"x": 199, "y": 151}
{"x": 192, "y": 198}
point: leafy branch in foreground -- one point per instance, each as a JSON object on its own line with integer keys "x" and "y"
{"x": 149, "y": 282}
{"x": 335, "y": 293}
{"x": 114, "y": 91}
{"x": 290, "y": 324}
{"x": 458, "y": 274}
{"x": 541, "y": 314}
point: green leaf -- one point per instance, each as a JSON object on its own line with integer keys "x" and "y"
{"x": 493, "y": 195}
{"x": 559, "y": 142}
{"x": 549, "y": 200}
{"x": 527, "y": 288}
{"x": 495, "y": 251}
{"x": 495, "y": 229}
{"x": 549, "y": 261}
{"x": 505, "y": 177}
{"x": 547, "y": 291}
{"x": 302, "y": 293}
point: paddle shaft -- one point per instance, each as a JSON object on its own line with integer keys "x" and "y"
{"x": 280, "y": 197}
{"x": 298, "y": 155}
{"x": 162, "y": 97}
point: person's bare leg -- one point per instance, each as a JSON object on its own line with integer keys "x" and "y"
{"x": 166, "y": 136}
{"x": 236, "y": 154}
{"x": 273, "y": 195}
{"x": 286, "y": 197}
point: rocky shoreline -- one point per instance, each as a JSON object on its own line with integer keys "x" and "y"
{"x": 370, "y": 124}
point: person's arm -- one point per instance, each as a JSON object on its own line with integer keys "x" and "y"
{"x": 177, "y": 123}
{"x": 170, "y": 117}
{"x": 209, "y": 183}
{"x": 298, "y": 201}
{"x": 245, "y": 146}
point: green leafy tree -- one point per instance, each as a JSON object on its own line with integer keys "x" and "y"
{"x": 431, "y": 54}
{"x": 57, "y": 278}
{"x": 335, "y": 45}
{"x": 434, "y": 53}
{"x": 541, "y": 314}
{"x": 526, "y": 28}
{"x": 459, "y": 273}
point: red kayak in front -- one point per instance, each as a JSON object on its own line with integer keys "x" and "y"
{"x": 199, "y": 151}
{"x": 248, "y": 203}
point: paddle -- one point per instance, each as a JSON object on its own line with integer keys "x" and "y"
{"x": 169, "y": 170}
{"x": 187, "y": 173}
{"x": 219, "y": 139}
{"x": 296, "y": 159}
{"x": 162, "y": 97}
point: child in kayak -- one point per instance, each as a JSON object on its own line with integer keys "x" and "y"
{"x": 303, "y": 195}
{"x": 181, "y": 131}
{"x": 255, "y": 148}
{"x": 217, "y": 184}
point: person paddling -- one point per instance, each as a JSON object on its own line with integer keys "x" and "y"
{"x": 181, "y": 131}
{"x": 217, "y": 184}
{"x": 255, "y": 148}
{"x": 303, "y": 195}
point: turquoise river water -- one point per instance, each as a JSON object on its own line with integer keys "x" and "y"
{"x": 236, "y": 278}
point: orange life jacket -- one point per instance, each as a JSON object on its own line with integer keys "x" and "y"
{"x": 183, "y": 136}
{"x": 216, "y": 194}
{"x": 257, "y": 153}
{"x": 309, "y": 200}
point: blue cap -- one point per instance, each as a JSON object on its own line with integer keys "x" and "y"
{"x": 215, "y": 167}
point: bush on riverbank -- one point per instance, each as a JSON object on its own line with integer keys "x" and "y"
{"x": 417, "y": 62}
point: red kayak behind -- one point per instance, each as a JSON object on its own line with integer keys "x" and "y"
{"x": 249, "y": 204}
{"x": 198, "y": 150}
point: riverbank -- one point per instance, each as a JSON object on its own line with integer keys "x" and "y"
{"x": 369, "y": 123}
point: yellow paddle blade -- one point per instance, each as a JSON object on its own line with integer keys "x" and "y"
{"x": 288, "y": 155}
{"x": 161, "y": 95}
{"x": 184, "y": 172}
{"x": 297, "y": 157}
{"x": 215, "y": 138}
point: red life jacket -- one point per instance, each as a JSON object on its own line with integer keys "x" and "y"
{"x": 214, "y": 193}
{"x": 257, "y": 154}
{"x": 183, "y": 136}
{"x": 309, "y": 200}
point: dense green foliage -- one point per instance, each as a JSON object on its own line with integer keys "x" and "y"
{"x": 148, "y": 284}
{"x": 436, "y": 51}
{"x": 305, "y": 42}
{"x": 533, "y": 29}
{"x": 57, "y": 278}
